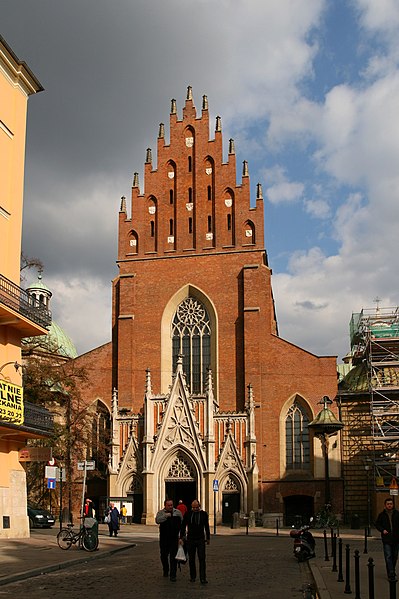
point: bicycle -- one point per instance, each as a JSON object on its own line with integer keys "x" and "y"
{"x": 84, "y": 536}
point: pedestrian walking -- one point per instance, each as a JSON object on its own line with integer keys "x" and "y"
{"x": 388, "y": 524}
{"x": 123, "y": 514}
{"x": 112, "y": 519}
{"x": 182, "y": 507}
{"x": 195, "y": 527}
{"x": 169, "y": 520}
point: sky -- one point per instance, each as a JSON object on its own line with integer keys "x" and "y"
{"x": 308, "y": 89}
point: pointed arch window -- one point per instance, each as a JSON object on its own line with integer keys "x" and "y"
{"x": 191, "y": 336}
{"x": 297, "y": 443}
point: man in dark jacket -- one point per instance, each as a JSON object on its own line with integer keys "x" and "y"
{"x": 388, "y": 525}
{"x": 196, "y": 523}
{"x": 169, "y": 521}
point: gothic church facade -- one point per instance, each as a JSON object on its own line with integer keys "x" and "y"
{"x": 199, "y": 384}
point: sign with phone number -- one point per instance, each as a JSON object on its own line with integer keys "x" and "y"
{"x": 11, "y": 403}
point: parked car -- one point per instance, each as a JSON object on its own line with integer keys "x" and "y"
{"x": 39, "y": 518}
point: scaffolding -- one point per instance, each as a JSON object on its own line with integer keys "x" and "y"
{"x": 374, "y": 337}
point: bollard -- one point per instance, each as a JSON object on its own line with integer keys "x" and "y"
{"x": 332, "y": 537}
{"x": 365, "y": 541}
{"x": 392, "y": 589}
{"x": 340, "y": 573}
{"x": 348, "y": 589}
{"x": 370, "y": 566}
{"x": 357, "y": 574}
{"x": 326, "y": 558}
{"x": 334, "y": 553}
{"x": 246, "y": 518}
{"x": 276, "y": 527}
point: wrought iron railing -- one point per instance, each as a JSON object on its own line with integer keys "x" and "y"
{"x": 19, "y": 300}
{"x": 38, "y": 418}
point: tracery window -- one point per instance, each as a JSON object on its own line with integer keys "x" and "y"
{"x": 191, "y": 337}
{"x": 297, "y": 438}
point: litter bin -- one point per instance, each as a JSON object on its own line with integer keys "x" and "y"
{"x": 355, "y": 521}
{"x": 92, "y": 525}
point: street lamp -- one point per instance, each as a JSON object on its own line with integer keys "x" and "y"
{"x": 367, "y": 469}
{"x": 324, "y": 426}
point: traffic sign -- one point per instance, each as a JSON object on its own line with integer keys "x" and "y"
{"x": 216, "y": 485}
{"x": 51, "y": 472}
{"x": 51, "y": 462}
{"x": 51, "y": 483}
{"x": 90, "y": 465}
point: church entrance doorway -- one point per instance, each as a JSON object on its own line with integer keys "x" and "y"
{"x": 185, "y": 490}
{"x": 230, "y": 504}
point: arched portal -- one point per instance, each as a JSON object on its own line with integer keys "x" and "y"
{"x": 181, "y": 480}
{"x": 231, "y": 498}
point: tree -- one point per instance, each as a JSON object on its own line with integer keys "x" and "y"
{"x": 55, "y": 382}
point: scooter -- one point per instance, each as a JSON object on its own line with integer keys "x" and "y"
{"x": 304, "y": 543}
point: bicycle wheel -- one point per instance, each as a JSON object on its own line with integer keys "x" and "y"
{"x": 65, "y": 538}
{"x": 89, "y": 540}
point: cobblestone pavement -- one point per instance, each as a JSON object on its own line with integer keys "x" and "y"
{"x": 237, "y": 567}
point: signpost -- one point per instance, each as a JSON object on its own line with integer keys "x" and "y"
{"x": 215, "y": 490}
{"x": 85, "y": 466}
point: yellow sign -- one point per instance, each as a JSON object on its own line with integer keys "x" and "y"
{"x": 11, "y": 403}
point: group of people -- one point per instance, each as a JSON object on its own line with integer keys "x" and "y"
{"x": 190, "y": 528}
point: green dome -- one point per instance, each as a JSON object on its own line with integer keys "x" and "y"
{"x": 60, "y": 341}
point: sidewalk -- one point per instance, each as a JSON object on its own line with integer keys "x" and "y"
{"x": 326, "y": 581}
{"x": 24, "y": 558}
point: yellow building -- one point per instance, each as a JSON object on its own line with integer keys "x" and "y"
{"x": 20, "y": 315}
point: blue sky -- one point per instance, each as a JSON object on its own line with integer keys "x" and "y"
{"x": 307, "y": 88}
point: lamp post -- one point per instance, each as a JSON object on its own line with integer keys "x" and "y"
{"x": 324, "y": 426}
{"x": 367, "y": 469}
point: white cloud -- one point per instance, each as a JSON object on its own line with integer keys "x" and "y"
{"x": 317, "y": 208}
{"x": 279, "y": 188}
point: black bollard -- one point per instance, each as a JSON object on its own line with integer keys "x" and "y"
{"x": 370, "y": 566}
{"x": 340, "y": 573}
{"x": 332, "y": 536}
{"x": 392, "y": 589}
{"x": 276, "y": 527}
{"x": 357, "y": 574}
{"x": 365, "y": 541}
{"x": 334, "y": 553}
{"x": 348, "y": 589}
{"x": 326, "y": 558}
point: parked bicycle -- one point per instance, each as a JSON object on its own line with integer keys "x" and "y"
{"x": 85, "y": 536}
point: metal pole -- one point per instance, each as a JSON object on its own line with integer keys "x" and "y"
{"x": 340, "y": 572}
{"x": 370, "y": 566}
{"x": 366, "y": 534}
{"x": 326, "y": 558}
{"x": 60, "y": 497}
{"x": 347, "y": 590}
{"x": 334, "y": 553}
{"x": 277, "y": 533}
{"x": 214, "y": 512}
{"x": 357, "y": 575}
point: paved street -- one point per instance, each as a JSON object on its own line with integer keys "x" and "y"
{"x": 238, "y": 566}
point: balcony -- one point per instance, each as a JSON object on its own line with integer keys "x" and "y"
{"x": 38, "y": 418}
{"x": 38, "y": 423}
{"x": 18, "y": 309}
